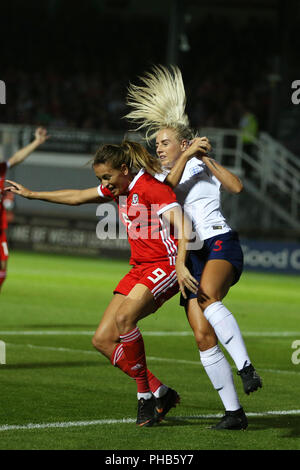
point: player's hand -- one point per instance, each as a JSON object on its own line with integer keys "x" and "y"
{"x": 17, "y": 188}
{"x": 41, "y": 135}
{"x": 199, "y": 147}
{"x": 185, "y": 279}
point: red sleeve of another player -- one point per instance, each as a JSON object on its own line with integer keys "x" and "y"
{"x": 104, "y": 192}
{"x": 3, "y": 168}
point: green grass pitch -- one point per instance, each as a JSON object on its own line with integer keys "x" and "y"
{"x": 57, "y": 392}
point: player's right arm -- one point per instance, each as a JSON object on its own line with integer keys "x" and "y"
{"x": 199, "y": 146}
{"x": 71, "y": 197}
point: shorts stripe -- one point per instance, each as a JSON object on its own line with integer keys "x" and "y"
{"x": 169, "y": 286}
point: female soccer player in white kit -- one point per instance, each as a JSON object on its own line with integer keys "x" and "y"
{"x": 159, "y": 107}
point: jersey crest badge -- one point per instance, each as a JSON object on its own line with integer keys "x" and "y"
{"x": 195, "y": 170}
{"x": 135, "y": 199}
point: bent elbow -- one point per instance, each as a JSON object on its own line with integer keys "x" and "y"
{"x": 239, "y": 188}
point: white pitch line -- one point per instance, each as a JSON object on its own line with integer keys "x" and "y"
{"x": 149, "y": 358}
{"x": 145, "y": 333}
{"x": 103, "y": 422}
{"x": 52, "y": 348}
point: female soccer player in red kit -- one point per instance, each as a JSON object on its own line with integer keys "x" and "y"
{"x": 18, "y": 157}
{"x": 148, "y": 208}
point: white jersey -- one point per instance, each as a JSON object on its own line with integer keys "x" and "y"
{"x": 198, "y": 192}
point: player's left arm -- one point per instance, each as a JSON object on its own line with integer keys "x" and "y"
{"x": 40, "y": 137}
{"x": 229, "y": 181}
{"x": 183, "y": 229}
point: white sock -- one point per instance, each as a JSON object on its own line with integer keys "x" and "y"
{"x": 228, "y": 333}
{"x": 220, "y": 374}
{"x": 161, "y": 391}
{"x": 146, "y": 395}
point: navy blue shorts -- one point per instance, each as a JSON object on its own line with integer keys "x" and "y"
{"x": 225, "y": 246}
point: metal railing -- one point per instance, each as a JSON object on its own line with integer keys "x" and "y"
{"x": 270, "y": 173}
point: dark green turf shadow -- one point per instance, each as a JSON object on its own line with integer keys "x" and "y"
{"x": 188, "y": 421}
{"x": 290, "y": 424}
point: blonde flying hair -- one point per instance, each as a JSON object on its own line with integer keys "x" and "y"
{"x": 132, "y": 154}
{"x": 160, "y": 103}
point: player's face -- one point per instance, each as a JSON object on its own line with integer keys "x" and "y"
{"x": 116, "y": 180}
{"x": 168, "y": 147}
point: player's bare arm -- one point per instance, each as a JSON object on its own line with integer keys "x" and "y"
{"x": 40, "y": 137}
{"x": 71, "y": 197}
{"x": 183, "y": 230}
{"x": 230, "y": 182}
{"x": 199, "y": 146}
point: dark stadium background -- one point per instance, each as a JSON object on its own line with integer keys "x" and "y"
{"x": 67, "y": 65}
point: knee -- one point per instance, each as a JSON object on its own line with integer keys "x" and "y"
{"x": 100, "y": 341}
{"x": 205, "y": 302}
{"x": 125, "y": 321}
{"x": 96, "y": 341}
{"x": 207, "y": 295}
{"x": 205, "y": 339}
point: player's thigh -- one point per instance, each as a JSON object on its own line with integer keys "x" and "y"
{"x": 217, "y": 277}
{"x": 107, "y": 328}
{"x": 138, "y": 304}
{"x": 202, "y": 329}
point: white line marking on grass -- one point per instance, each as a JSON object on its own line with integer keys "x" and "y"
{"x": 278, "y": 334}
{"x": 103, "y": 422}
{"x": 55, "y": 349}
{"x": 149, "y": 358}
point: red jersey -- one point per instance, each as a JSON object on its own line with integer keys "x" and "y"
{"x": 3, "y": 221}
{"x": 141, "y": 210}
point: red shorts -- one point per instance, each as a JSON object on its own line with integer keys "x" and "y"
{"x": 160, "y": 279}
{"x": 3, "y": 246}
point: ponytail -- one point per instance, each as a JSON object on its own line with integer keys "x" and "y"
{"x": 132, "y": 154}
{"x": 159, "y": 103}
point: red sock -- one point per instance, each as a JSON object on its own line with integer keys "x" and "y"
{"x": 153, "y": 381}
{"x": 118, "y": 359}
{"x": 134, "y": 350}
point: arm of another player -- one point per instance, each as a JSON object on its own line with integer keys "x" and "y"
{"x": 229, "y": 181}
{"x": 71, "y": 197}
{"x": 183, "y": 230}
{"x": 40, "y": 137}
{"x": 196, "y": 147}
